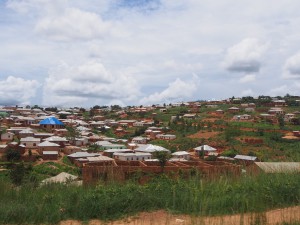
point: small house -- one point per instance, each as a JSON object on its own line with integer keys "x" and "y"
{"x": 30, "y": 142}
{"x": 7, "y": 136}
{"x": 137, "y": 156}
{"x": 48, "y": 146}
{"x": 204, "y": 149}
{"x": 166, "y": 136}
{"x": 245, "y": 159}
{"x": 233, "y": 110}
{"x": 51, "y": 123}
{"x": 50, "y": 155}
{"x": 139, "y": 140}
{"x": 71, "y": 149}
{"x": 181, "y": 155}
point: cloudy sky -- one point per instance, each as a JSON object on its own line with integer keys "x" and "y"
{"x": 140, "y": 52}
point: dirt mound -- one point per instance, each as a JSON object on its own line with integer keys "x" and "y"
{"x": 273, "y": 217}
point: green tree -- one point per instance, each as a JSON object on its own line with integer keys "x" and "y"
{"x": 281, "y": 121}
{"x": 72, "y": 133}
{"x": 162, "y": 157}
{"x": 12, "y": 155}
{"x": 17, "y": 174}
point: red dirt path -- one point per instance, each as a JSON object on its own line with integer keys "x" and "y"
{"x": 273, "y": 217}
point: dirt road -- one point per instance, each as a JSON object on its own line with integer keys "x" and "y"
{"x": 273, "y": 217}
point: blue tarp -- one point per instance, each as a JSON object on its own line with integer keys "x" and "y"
{"x": 51, "y": 121}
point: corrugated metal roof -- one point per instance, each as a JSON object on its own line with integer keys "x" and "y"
{"x": 245, "y": 157}
{"x": 205, "y": 148}
{"x": 51, "y": 121}
{"x": 279, "y": 167}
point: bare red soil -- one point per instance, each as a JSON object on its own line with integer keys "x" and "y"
{"x": 273, "y": 217}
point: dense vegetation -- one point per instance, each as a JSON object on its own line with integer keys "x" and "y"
{"x": 53, "y": 203}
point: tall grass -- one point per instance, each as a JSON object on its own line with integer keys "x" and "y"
{"x": 53, "y": 203}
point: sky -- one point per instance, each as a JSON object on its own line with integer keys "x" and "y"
{"x": 144, "y": 52}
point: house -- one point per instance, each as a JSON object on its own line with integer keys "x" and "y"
{"x": 296, "y": 133}
{"x": 30, "y": 142}
{"x": 219, "y": 111}
{"x": 139, "y": 140}
{"x": 79, "y": 141}
{"x": 51, "y": 123}
{"x": 249, "y": 109}
{"x": 149, "y": 148}
{"x": 26, "y": 133}
{"x": 189, "y": 116}
{"x": 62, "y": 141}
{"x": 127, "y": 123}
{"x": 110, "y": 152}
{"x": 71, "y": 149}
{"x": 50, "y": 155}
{"x": 233, "y": 109}
{"x": 94, "y": 159}
{"x": 7, "y": 136}
{"x": 181, "y": 155}
{"x": 154, "y": 133}
{"x": 166, "y": 136}
{"x": 279, "y": 103}
{"x": 137, "y": 156}
{"x": 288, "y": 117}
{"x": 274, "y": 167}
{"x": 78, "y": 155}
{"x": 276, "y": 111}
{"x": 242, "y": 117}
{"x": 139, "y": 124}
{"x": 245, "y": 159}
{"x": 48, "y": 146}
{"x": 42, "y": 135}
{"x": 16, "y": 130}
{"x": 103, "y": 145}
{"x": 266, "y": 116}
{"x": 3, "y": 148}
{"x": 206, "y": 149}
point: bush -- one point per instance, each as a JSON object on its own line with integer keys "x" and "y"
{"x": 12, "y": 155}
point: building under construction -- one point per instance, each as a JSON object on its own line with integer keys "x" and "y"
{"x": 122, "y": 170}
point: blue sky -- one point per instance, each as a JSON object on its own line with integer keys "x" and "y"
{"x": 83, "y": 53}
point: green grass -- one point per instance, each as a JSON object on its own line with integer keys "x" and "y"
{"x": 49, "y": 169}
{"x": 53, "y": 203}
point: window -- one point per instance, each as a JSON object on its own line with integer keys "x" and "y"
{"x": 34, "y": 144}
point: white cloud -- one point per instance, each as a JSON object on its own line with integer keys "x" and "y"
{"x": 182, "y": 66}
{"x": 177, "y": 90}
{"x": 37, "y": 6}
{"x": 248, "y": 78}
{"x": 73, "y": 24}
{"x": 148, "y": 46}
{"x": 87, "y": 83}
{"x": 279, "y": 91}
{"x": 291, "y": 69}
{"x": 245, "y": 56}
{"x": 247, "y": 92}
{"x": 16, "y": 90}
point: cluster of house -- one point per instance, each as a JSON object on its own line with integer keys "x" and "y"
{"x": 270, "y": 114}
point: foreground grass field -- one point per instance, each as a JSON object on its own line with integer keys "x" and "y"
{"x": 53, "y": 203}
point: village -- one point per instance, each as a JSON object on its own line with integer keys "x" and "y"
{"x": 233, "y": 136}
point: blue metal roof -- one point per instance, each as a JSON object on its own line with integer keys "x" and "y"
{"x": 51, "y": 121}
